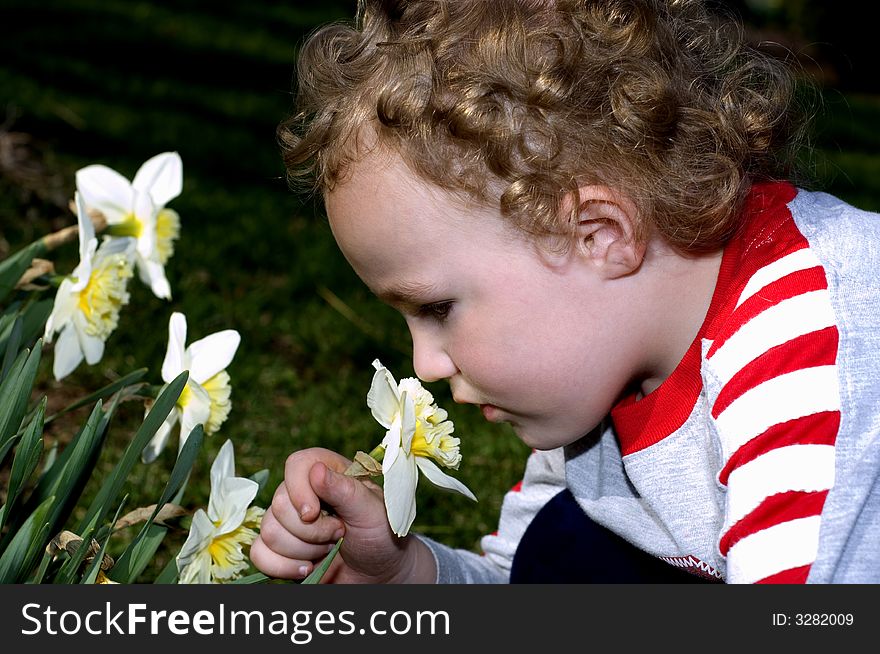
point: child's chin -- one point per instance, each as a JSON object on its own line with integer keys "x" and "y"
{"x": 532, "y": 439}
{"x": 539, "y": 439}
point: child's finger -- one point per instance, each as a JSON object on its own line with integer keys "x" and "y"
{"x": 322, "y": 529}
{"x": 275, "y": 565}
{"x": 296, "y": 479}
{"x": 350, "y": 499}
{"x": 284, "y": 517}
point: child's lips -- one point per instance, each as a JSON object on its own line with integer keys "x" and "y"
{"x": 491, "y": 412}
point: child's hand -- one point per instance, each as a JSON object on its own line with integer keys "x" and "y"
{"x": 295, "y": 534}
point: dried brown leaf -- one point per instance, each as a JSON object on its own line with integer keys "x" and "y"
{"x": 142, "y": 514}
{"x": 364, "y": 466}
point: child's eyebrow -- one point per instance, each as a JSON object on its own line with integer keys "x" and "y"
{"x": 407, "y": 293}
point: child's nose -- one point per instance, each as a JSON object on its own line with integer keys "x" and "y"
{"x": 430, "y": 360}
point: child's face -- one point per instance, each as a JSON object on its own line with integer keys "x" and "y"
{"x": 533, "y": 340}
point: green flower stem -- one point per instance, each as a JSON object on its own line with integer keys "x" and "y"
{"x": 321, "y": 568}
{"x": 126, "y": 228}
{"x": 378, "y": 453}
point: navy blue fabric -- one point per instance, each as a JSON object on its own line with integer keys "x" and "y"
{"x": 563, "y": 545}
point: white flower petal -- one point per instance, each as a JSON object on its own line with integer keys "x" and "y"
{"x": 441, "y": 479}
{"x": 420, "y": 395}
{"x": 161, "y": 176}
{"x": 173, "y": 364}
{"x": 62, "y": 310}
{"x": 201, "y": 532}
{"x": 152, "y": 273}
{"x": 196, "y": 411}
{"x": 68, "y": 354}
{"x": 391, "y": 442}
{"x": 113, "y": 245}
{"x": 399, "y": 486}
{"x": 197, "y": 570}
{"x": 80, "y": 276}
{"x": 92, "y": 346}
{"x": 145, "y": 212}
{"x": 107, "y": 191}
{"x": 407, "y": 421}
{"x": 211, "y": 354}
{"x": 86, "y": 229}
{"x": 228, "y": 506}
{"x": 160, "y": 438}
{"x": 383, "y": 398}
{"x": 223, "y": 466}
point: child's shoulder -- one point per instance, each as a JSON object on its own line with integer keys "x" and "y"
{"x": 844, "y": 238}
{"x": 781, "y": 219}
{"x": 794, "y": 242}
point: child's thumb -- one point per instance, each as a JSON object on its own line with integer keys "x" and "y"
{"x": 350, "y": 500}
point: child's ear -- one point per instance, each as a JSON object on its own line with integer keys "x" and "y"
{"x": 607, "y": 231}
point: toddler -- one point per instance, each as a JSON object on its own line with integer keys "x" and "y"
{"x": 580, "y": 208}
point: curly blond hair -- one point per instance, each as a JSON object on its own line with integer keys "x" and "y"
{"x": 516, "y": 103}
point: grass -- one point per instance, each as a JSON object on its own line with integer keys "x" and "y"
{"x": 115, "y": 82}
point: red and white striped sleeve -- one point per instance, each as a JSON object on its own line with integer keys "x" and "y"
{"x": 777, "y": 415}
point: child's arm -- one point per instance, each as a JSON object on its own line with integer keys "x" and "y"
{"x": 776, "y": 386}
{"x": 296, "y": 534}
{"x": 544, "y": 478}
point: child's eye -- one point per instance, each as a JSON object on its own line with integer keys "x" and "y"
{"x": 438, "y": 311}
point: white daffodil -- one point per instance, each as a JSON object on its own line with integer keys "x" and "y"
{"x": 86, "y": 309}
{"x": 418, "y": 434}
{"x": 213, "y": 551}
{"x": 137, "y": 209}
{"x": 205, "y": 398}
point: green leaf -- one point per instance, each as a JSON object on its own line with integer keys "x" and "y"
{"x": 256, "y": 578}
{"x": 7, "y": 319}
{"x": 114, "y": 482}
{"x": 68, "y": 476}
{"x": 41, "y": 571}
{"x": 168, "y": 574}
{"x": 91, "y": 573}
{"x": 138, "y": 554}
{"x": 27, "y": 456}
{"x": 78, "y": 467}
{"x": 13, "y": 344}
{"x": 261, "y": 477}
{"x": 15, "y": 391}
{"x": 318, "y": 572}
{"x": 102, "y": 393}
{"x": 13, "y": 267}
{"x": 25, "y": 545}
{"x": 33, "y": 314}
{"x": 50, "y": 459}
{"x": 7, "y": 446}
